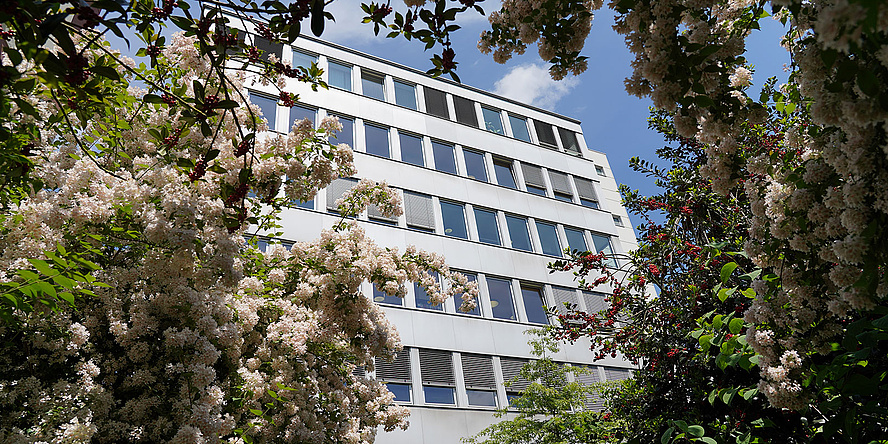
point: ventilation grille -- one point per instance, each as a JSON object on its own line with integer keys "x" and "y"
{"x": 512, "y": 370}
{"x": 418, "y": 210}
{"x": 395, "y": 371}
{"x": 478, "y": 371}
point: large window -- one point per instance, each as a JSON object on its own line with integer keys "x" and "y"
{"x": 545, "y": 134}
{"x": 418, "y": 211}
{"x": 493, "y": 120}
{"x": 518, "y": 233}
{"x": 339, "y": 75}
{"x": 488, "y": 231}
{"x": 549, "y": 239}
{"x": 503, "y": 170}
{"x": 444, "y": 160}
{"x": 436, "y": 103}
{"x": 564, "y": 298}
{"x": 515, "y": 384}
{"x": 569, "y": 140}
{"x": 454, "y": 220}
{"x": 377, "y": 139}
{"x": 336, "y": 189}
{"x": 411, "y": 149}
{"x": 477, "y": 310}
{"x": 268, "y": 48}
{"x": 603, "y": 245}
{"x": 479, "y": 379}
{"x": 421, "y": 297}
{"x": 475, "y": 168}
{"x": 380, "y": 297}
{"x": 298, "y": 113}
{"x": 575, "y": 239}
{"x": 268, "y": 108}
{"x": 465, "y": 111}
{"x": 396, "y": 375}
{"x": 405, "y": 94}
{"x": 500, "y": 292}
{"x": 303, "y": 59}
{"x": 519, "y": 128}
{"x": 438, "y": 383}
{"x": 560, "y": 186}
{"x": 586, "y": 192}
{"x": 347, "y": 135}
{"x": 533, "y": 179}
{"x": 373, "y": 85}
{"x": 534, "y": 305}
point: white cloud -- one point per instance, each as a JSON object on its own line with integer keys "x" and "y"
{"x": 531, "y": 84}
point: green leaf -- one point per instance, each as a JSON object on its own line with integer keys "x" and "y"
{"x": 696, "y": 430}
{"x": 64, "y": 281}
{"x": 708, "y": 440}
{"x": 43, "y": 267}
{"x": 868, "y": 82}
{"x": 256, "y": 412}
{"x": 106, "y": 71}
{"x": 748, "y": 394}
{"x": 67, "y": 297}
{"x": 726, "y": 271}
{"x": 667, "y": 435}
{"x": 735, "y": 325}
{"x": 881, "y": 323}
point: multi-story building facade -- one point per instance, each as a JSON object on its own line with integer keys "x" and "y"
{"x": 497, "y": 187}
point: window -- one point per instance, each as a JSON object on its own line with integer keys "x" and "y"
{"x": 575, "y": 239}
{"x": 421, "y": 297}
{"x": 475, "y": 165}
{"x": 444, "y": 160}
{"x": 347, "y": 135}
{"x": 411, "y": 149}
{"x": 405, "y": 94}
{"x": 436, "y": 103}
{"x": 298, "y": 113}
{"x": 268, "y": 108}
{"x": 595, "y": 302}
{"x": 563, "y": 295}
{"x": 396, "y": 375}
{"x": 534, "y": 305}
{"x": 479, "y": 379}
{"x": 519, "y": 128}
{"x": 533, "y": 179}
{"x": 268, "y": 48}
{"x": 593, "y": 399}
{"x": 336, "y": 189}
{"x": 303, "y": 59}
{"x": 373, "y": 85}
{"x": 518, "y": 233}
{"x": 503, "y": 170}
{"x": 339, "y": 75}
{"x": 477, "y": 310}
{"x": 500, "y": 292}
{"x": 308, "y": 204}
{"x": 586, "y": 192}
{"x": 616, "y": 374}
{"x": 549, "y": 239}
{"x": 545, "y": 134}
{"x": 374, "y": 213}
{"x": 418, "y": 211}
{"x": 465, "y": 111}
{"x": 488, "y": 231}
{"x": 515, "y": 384}
{"x": 381, "y": 297}
{"x": 569, "y": 140}
{"x": 603, "y": 245}
{"x": 560, "y": 186}
{"x": 618, "y": 221}
{"x": 454, "y": 220}
{"x": 600, "y": 170}
{"x": 377, "y": 139}
{"x": 438, "y": 383}
{"x": 493, "y": 120}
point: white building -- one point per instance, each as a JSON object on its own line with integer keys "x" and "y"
{"x": 498, "y": 187}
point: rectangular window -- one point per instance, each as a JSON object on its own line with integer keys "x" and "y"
{"x": 268, "y": 48}
{"x": 569, "y": 140}
{"x": 519, "y": 128}
{"x": 374, "y": 213}
{"x": 299, "y": 113}
{"x": 595, "y": 302}
{"x": 515, "y": 384}
{"x": 488, "y": 230}
{"x": 381, "y": 297}
{"x": 586, "y": 192}
{"x": 347, "y": 135}
{"x": 396, "y": 375}
{"x": 493, "y": 120}
{"x": 593, "y": 400}
{"x": 575, "y": 239}
{"x": 411, "y": 149}
{"x": 618, "y": 221}
{"x": 600, "y": 170}
{"x": 418, "y": 211}
{"x": 308, "y": 204}
{"x": 373, "y": 85}
{"x": 479, "y": 379}
{"x": 534, "y": 305}
{"x": 475, "y": 168}
{"x": 436, "y": 103}
{"x": 377, "y": 139}
{"x": 339, "y": 75}
{"x": 616, "y": 374}
{"x": 421, "y": 297}
{"x": 438, "y": 382}
{"x": 405, "y": 94}
{"x": 477, "y": 310}
{"x": 267, "y": 108}
{"x": 518, "y": 233}
{"x": 500, "y": 292}
{"x": 602, "y": 244}
{"x": 336, "y": 189}
{"x": 303, "y": 59}
{"x": 454, "y": 220}
{"x": 549, "y": 239}
{"x": 545, "y": 134}
{"x": 564, "y": 297}
{"x": 465, "y": 111}
{"x": 444, "y": 160}
{"x": 533, "y": 179}
{"x": 503, "y": 170}
{"x": 560, "y": 186}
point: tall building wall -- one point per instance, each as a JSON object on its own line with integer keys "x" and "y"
{"x": 451, "y": 149}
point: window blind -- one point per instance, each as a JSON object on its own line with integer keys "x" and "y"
{"x": 562, "y": 295}
{"x": 336, "y": 189}
{"x": 560, "y": 182}
{"x": 478, "y": 371}
{"x": 395, "y": 371}
{"x": 436, "y": 367}
{"x": 533, "y": 175}
{"x": 616, "y": 374}
{"x": 465, "y": 111}
{"x": 436, "y": 102}
{"x": 511, "y": 370}
{"x": 593, "y": 400}
{"x": 585, "y": 189}
{"x": 418, "y": 210}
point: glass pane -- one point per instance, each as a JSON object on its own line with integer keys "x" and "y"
{"x": 309, "y": 204}
{"x": 482, "y": 398}
{"x": 545, "y": 133}
{"x": 564, "y": 197}
{"x": 518, "y": 232}
{"x": 569, "y": 140}
{"x": 549, "y": 239}
{"x": 501, "y": 298}
{"x": 488, "y": 231}
{"x": 422, "y": 299}
{"x": 268, "y": 108}
{"x": 533, "y": 306}
{"x": 339, "y": 76}
{"x": 588, "y": 203}
{"x": 493, "y": 120}
{"x": 575, "y": 239}
{"x": 444, "y": 160}
{"x": 475, "y": 165}
{"x": 503, "y": 172}
{"x": 411, "y": 149}
{"x": 381, "y": 297}
{"x": 477, "y": 310}
{"x": 438, "y": 395}
{"x": 347, "y": 135}
{"x": 401, "y": 391}
{"x": 519, "y": 128}
{"x": 302, "y": 59}
{"x": 602, "y": 245}
{"x": 536, "y": 190}
{"x": 377, "y": 140}
{"x": 373, "y": 86}
{"x": 298, "y": 113}
{"x": 454, "y": 220}
{"x": 405, "y": 95}
{"x": 436, "y": 103}
{"x": 465, "y": 111}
